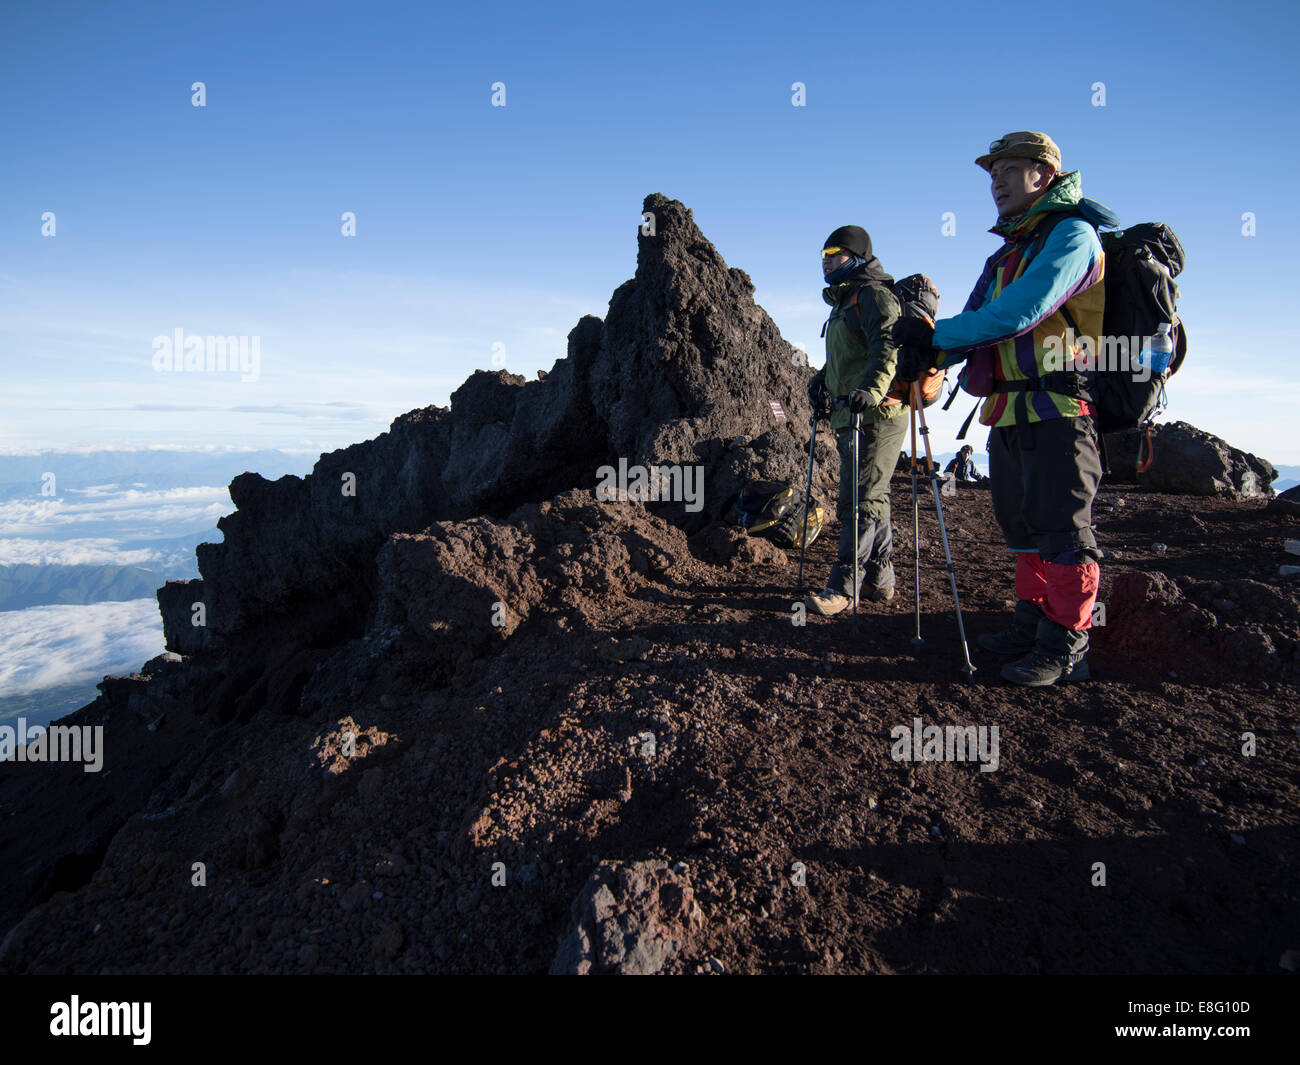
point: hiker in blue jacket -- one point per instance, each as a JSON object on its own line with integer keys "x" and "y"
{"x": 963, "y": 466}
{"x": 1038, "y": 294}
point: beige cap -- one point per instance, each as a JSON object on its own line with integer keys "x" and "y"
{"x": 1025, "y": 144}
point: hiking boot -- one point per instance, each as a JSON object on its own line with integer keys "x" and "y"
{"x": 1038, "y": 670}
{"x": 878, "y": 581}
{"x": 827, "y": 602}
{"x": 1021, "y": 637}
{"x": 1060, "y": 655}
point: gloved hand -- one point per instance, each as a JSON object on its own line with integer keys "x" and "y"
{"x": 860, "y": 400}
{"x": 914, "y": 333}
{"x": 817, "y": 391}
{"x": 913, "y": 362}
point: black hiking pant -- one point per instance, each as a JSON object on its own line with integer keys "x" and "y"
{"x": 1045, "y": 476}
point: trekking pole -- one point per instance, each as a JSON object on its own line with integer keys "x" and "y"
{"x": 917, "y": 642}
{"x": 856, "y": 418}
{"x": 807, "y": 503}
{"x": 968, "y": 670}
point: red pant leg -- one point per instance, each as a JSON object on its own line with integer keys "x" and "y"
{"x": 1071, "y": 593}
{"x": 1031, "y": 578}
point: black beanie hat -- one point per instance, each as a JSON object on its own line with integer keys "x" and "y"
{"x": 853, "y": 238}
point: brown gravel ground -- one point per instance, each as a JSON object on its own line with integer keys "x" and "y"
{"x": 769, "y": 776}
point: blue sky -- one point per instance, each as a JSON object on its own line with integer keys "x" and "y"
{"x": 480, "y": 226}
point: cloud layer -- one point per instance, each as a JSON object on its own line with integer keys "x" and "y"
{"x": 45, "y": 646}
{"x": 130, "y": 513}
{"x": 86, "y": 551}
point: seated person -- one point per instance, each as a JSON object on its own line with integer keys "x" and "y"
{"x": 963, "y": 466}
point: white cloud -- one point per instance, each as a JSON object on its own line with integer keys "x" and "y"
{"x": 117, "y": 445}
{"x": 47, "y": 646}
{"x": 86, "y": 551}
{"x": 133, "y": 513}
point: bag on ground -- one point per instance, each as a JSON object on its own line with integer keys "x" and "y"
{"x": 775, "y": 510}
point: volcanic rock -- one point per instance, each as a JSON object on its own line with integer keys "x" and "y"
{"x": 630, "y": 920}
{"x": 457, "y": 591}
{"x": 1158, "y": 627}
{"x": 1287, "y": 502}
{"x": 1190, "y": 461}
{"x": 176, "y": 600}
{"x": 684, "y": 362}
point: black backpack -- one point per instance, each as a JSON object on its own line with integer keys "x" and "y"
{"x": 917, "y": 298}
{"x": 1141, "y": 264}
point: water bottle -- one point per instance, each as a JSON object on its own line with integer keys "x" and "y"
{"x": 1158, "y": 351}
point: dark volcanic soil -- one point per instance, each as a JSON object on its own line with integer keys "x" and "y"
{"x": 524, "y": 744}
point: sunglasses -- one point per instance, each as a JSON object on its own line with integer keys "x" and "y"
{"x": 828, "y": 252}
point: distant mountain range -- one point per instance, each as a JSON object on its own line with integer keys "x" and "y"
{"x": 1287, "y": 477}
{"x": 26, "y": 584}
{"x": 79, "y": 568}
{"x": 47, "y": 704}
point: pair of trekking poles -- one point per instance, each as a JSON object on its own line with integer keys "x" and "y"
{"x": 916, "y": 407}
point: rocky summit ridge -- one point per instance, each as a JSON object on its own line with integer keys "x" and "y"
{"x": 450, "y": 712}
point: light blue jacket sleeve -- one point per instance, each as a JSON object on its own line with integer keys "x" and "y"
{"x": 1069, "y": 262}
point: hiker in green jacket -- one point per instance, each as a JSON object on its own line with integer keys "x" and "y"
{"x": 861, "y": 357}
